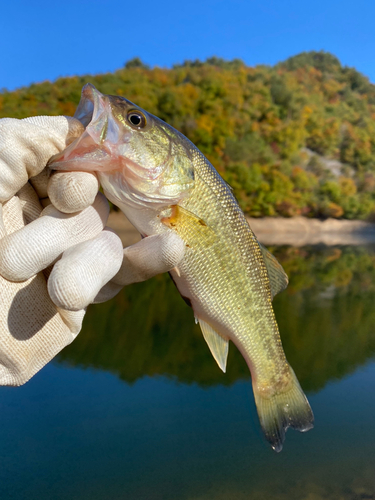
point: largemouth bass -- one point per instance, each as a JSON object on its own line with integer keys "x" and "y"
{"x": 162, "y": 182}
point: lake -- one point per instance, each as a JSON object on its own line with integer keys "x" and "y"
{"x": 136, "y": 408}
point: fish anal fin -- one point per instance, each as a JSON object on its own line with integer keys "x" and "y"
{"x": 191, "y": 228}
{"x": 218, "y": 345}
{"x": 277, "y": 276}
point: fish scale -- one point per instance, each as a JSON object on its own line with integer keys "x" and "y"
{"x": 236, "y": 277}
{"x": 162, "y": 182}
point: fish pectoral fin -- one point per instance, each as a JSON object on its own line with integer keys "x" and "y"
{"x": 277, "y": 276}
{"x": 191, "y": 228}
{"x": 218, "y": 345}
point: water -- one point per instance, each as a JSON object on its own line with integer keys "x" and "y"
{"x": 136, "y": 408}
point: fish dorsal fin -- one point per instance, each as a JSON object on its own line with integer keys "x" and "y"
{"x": 218, "y": 345}
{"x": 192, "y": 229}
{"x": 277, "y": 276}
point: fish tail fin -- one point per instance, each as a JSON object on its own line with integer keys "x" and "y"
{"x": 281, "y": 410}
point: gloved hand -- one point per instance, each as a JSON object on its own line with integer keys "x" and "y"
{"x": 57, "y": 260}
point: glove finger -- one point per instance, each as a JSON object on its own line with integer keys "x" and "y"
{"x": 31, "y": 208}
{"x": 27, "y": 145}
{"x": 65, "y": 126}
{"x": 35, "y": 246}
{"x": 72, "y": 191}
{"x": 151, "y": 256}
{"x": 72, "y": 319}
{"x": 19, "y": 211}
{"x": 31, "y": 331}
{"x": 40, "y": 182}
{"x": 12, "y": 216}
{"x": 108, "y": 291}
{"x": 2, "y": 226}
{"x": 84, "y": 269}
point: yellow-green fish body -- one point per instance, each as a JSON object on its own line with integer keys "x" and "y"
{"x": 162, "y": 182}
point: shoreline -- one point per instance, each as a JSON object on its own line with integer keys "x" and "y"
{"x": 296, "y": 231}
{"x": 299, "y": 231}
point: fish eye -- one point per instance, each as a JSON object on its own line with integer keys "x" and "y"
{"x": 136, "y": 118}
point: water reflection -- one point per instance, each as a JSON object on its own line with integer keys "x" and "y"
{"x": 326, "y": 319}
{"x": 180, "y": 429}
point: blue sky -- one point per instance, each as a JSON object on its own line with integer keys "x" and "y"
{"x": 40, "y": 40}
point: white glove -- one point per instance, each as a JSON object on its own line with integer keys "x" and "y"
{"x": 39, "y": 318}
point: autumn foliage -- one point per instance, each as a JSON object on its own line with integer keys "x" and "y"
{"x": 294, "y": 139}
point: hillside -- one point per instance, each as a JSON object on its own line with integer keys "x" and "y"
{"x": 294, "y": 139}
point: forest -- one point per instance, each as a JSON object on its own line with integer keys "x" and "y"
{"x": 297, "y": 138}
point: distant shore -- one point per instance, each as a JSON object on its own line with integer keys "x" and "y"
{"x": 300, "y": 231}
{"x": 296, "y": 231}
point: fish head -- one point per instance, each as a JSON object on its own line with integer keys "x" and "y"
{"x": 140, "y": 160}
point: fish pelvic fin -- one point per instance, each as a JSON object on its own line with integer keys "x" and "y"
{"x": 218, "y": 345}
{"x": 276, "y": 274}
{"x": 281, "y": 410}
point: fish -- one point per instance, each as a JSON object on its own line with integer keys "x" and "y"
{"x": 162, "y": 182}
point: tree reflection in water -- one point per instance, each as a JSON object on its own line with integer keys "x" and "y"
{"x": 326, "y": 318}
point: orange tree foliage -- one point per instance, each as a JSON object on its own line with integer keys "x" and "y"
{"x": 268, "y": 130}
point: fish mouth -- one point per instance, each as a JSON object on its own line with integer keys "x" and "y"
{"x": 91, "y": 102}
{"x": 95, "y": 148}
{"x": 110, "y": 148}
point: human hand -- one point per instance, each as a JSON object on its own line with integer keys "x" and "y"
{"x": 43, "y": 305}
